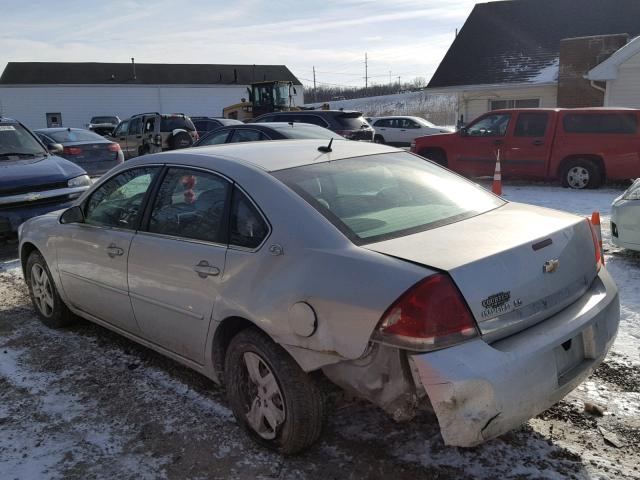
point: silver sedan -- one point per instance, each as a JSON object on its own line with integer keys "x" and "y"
{"x": 274, "y": 266}
{"x": 625, "y": 218}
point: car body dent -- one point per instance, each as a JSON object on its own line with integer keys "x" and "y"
{"x": 479, "y": 391}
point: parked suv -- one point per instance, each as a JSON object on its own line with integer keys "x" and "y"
{"x": 33, "y": 181}
{"x": 154, "y": 132}
{"x": 581, "y": 147}
{"x": 348, "y": 123}
{"x": 103, "y": 125}
{"x": 401, "y": 131}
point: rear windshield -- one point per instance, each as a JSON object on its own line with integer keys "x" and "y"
{"x": 351, "y": 121}
{"x": 112, "y": 120}
{"x": 384, "y": 196}
{"x": 66, "y": 136}
{"x": 301, "y": 130}
{"x": 15, "y": 141}
{"x": 169, "y": 124}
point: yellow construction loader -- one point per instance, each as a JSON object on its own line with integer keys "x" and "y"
{"x": 264, "y": 97}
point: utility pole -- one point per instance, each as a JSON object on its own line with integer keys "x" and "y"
{"x": 366, "y": 71}
{"x": 315, "y": 96}
{"x": 399, "y": 87}
{"x": 390, "y": 82}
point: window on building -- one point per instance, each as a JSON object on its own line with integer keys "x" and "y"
{"x": 515, "y": 103}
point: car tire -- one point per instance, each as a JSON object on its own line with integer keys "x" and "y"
{"x": 378, "y": 139}
{"x": 50, "y": 308}
{"x": 580, "y": 174}
{"x": 287, "y": 404}
{"x": 180, "y": 140}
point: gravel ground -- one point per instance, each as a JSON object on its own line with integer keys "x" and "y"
{"x": 85, "y": 403}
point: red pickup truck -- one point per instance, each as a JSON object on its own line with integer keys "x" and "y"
{"x": 581, "y": 147}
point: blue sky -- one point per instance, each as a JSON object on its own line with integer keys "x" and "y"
{"x": 405, "y": 37}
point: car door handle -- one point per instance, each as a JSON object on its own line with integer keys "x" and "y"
{"x": 204, "y": 270}
{"x": 497, "y": 142}
{"x": 114, "y": 251}
{"x": 538, "y": 142}
{"x": 402, "y": 130}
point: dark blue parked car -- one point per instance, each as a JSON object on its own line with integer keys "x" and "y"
{"x": 33, "y": 180}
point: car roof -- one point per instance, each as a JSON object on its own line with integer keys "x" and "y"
{"x": 282, "y": 154}
{"x": 315, "y": 112}
{"x": 7, "y": 120}
{"x": 60, "y": 129}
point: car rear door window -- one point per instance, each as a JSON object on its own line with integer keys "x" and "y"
{"x": 215, "y": 138}
{"x": 118, "y": 202}
{"x": 241, "y": 135}
{"x": 191, "y": 204}
{"x": 248, "y": 228}
{"x": 135, "y": 127}
{"x": 531, "y": 125}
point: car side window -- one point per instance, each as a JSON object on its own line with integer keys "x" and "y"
{"x": 268, "y": 118}
{"x": 312, "y": 119}
{"x": 191, "y": 204}
{"x": 408, "y": 123}
{"x": 118, "y": 202}
{"x": 135, "y": 127}
{"x": 215, "y": 138}
{"x": 531, "y": 125}
{"x": 490, "y": 126}
{"x": 248, "y": 229}
{"x": 241, "y": 135}
{"x": 121, "y": 129}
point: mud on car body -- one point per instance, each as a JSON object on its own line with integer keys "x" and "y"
{"x": 287, "y": 263}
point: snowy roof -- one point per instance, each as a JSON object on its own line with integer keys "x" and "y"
{"x": 518, "y": 41}
{"x": 608, "y": 70}
{"x": 83, "y": 73}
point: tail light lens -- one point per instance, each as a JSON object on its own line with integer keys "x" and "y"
{"x": 72, "y": 151}
{"x": 430, "y": 315}
{"x": 114, "y": 147}
{"x": 196, "y": 135}
{"x": 596, "y": 245}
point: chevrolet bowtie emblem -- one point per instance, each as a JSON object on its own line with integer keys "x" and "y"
{"x": 550, "y": 266}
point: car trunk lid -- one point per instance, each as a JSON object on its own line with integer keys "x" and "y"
{"x": 515, "y": 265}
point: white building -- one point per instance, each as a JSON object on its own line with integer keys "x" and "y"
{"x": 621, "y": 72}
{"x": 69, "y": 94}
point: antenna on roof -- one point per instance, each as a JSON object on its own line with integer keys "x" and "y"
{"x": 326, "y": 149}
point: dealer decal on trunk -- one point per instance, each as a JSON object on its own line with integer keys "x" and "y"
{"x": 498, "y": 303}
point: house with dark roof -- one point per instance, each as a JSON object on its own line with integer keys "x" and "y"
{"x": 534, "y": 53}
{"x": 72, "y": 93}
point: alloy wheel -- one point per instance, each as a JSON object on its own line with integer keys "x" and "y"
{"x": 578, "y": 177}
{"x": 266, "y": 412}
{"x": 42, "y": 292}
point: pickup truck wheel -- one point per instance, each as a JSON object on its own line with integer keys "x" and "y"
{"x": 45, "y": 298}
{"x": 378, "y": 139}
{"x": 278, "y": 404}
{"x": 581, "y": 173}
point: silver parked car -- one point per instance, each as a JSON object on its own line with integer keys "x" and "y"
{"x": 272, "y": 266}
{"x": 625, "y": 218}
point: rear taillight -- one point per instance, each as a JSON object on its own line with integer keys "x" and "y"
{"x": 114, "y": 147}
{"x": 196, "y": 135}
{"x": 72, "y": 151}
{"x": 596, "y": 245}
{"x": 430, "y": 315}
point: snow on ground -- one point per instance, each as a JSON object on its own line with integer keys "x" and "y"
{"x": 86, "y": 403}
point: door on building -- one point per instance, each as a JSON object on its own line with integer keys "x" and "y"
{"x": 54, "y": 120}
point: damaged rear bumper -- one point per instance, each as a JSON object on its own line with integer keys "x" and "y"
{"x": 479, "y": 390}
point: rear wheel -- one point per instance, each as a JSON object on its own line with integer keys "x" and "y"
{"x": 378, "y": 139}
{"x": 277, "y": 403}
{"x": 44, "y": 295}
{"x": 581, "y": 173}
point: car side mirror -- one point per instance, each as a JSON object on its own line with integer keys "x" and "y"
{"x": 72, "y": 215}
{"x": 464, "y": 132}
{"x": 55, "y": 148}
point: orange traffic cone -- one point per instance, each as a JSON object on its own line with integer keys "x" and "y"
{"x": 595, "y": 221}
{"x": 497, "y": 177}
